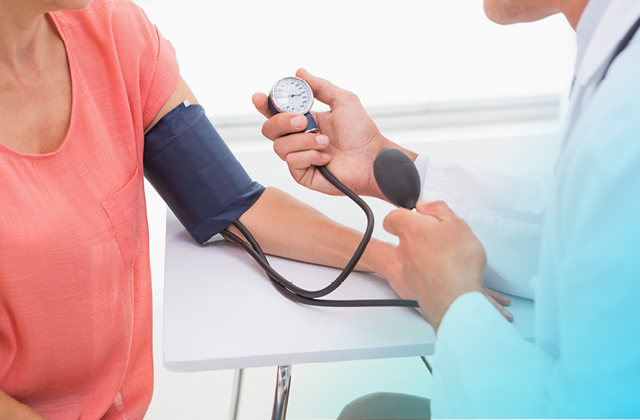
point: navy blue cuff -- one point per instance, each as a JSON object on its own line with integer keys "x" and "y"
{"x": 193, "y": 170}
{"x": 215, "y": 223}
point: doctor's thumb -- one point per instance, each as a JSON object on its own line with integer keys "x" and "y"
{"x": 398, "y": 221}
{"x": 325, "y": 91}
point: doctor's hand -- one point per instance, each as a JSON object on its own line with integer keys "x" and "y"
{"x": 348, "y": 141}
{"x": 441, "y": 257}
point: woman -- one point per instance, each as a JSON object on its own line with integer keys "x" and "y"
{"x": 80, "y": 84}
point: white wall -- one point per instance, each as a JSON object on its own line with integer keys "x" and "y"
{"x": 389, "y": 52}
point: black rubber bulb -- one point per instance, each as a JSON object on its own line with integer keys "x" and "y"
{"x": 397, "y": 178}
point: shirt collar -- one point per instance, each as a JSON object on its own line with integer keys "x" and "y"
{"x": 616, "y": 17}
{"x": 587, "y": 24}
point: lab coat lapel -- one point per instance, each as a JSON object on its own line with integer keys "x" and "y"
{"x": 617, "y": 19}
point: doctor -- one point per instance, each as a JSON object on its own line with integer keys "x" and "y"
{"x": 584, "y": 362}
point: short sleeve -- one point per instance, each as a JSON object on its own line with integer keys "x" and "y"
{"x": 163, "y": 81}
{"x": 121, "y": 51}
{"x": 149, "y": 57}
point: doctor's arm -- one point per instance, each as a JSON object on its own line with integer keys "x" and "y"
{"x": 504, "y": 211}
{"x": 585, "y": 361}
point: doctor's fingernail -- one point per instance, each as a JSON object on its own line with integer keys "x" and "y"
{"x": 326, "y": 156}
{"x": 508, "y": 315}
{"x": 298, "y": 121}
{"x": 322, "y": 140}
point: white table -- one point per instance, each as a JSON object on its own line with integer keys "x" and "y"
{"x": 222, "y": 312}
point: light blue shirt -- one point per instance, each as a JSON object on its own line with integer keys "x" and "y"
{"x": 585, "y": 362}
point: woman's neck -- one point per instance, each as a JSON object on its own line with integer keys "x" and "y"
{"x": 25, "y": 37}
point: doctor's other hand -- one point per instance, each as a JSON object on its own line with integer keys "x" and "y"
{"x": 441, "y": 257}
{"x": 348, "y": 141}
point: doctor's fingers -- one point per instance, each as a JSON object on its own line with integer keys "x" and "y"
{"x": 403, "y": 223}
{"x": 261, "y": 103}
{"x": 508, "y": 315}
{"x": 283, "y": 124}
{"x": 294, "y": 143}
{"x": 499, "y": 297}
{"x": 300, "y": 161}
{"x": 327, "y": 92}
{"x": 438, "y": 209}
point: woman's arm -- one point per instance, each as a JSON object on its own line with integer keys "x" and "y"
{"x": 11, "y": 409}
{"x": 181, "y": 93}
{"x": 287, "y": 227}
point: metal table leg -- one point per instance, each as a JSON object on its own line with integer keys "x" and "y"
{"x": 235, "y": 396}
{"x": 281, "y": 399}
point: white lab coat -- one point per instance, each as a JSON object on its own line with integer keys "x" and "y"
{"x": 585, "y": 362}
{"x": 504, "y": 211}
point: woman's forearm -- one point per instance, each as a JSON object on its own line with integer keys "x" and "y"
{"x": 286, "y": 227}
{"x": 11, "y": 409}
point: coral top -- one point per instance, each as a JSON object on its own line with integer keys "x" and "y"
{"x": 75, "y": 286}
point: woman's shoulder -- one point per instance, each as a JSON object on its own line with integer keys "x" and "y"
{"x": 120, "y": 23}
{"x": 104, "y": 9}
{"x": 113, "y": 45}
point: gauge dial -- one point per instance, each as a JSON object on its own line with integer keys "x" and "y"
{"x": 292, "y": 94}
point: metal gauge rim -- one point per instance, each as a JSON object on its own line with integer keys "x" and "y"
{"x": 304, "y": 82}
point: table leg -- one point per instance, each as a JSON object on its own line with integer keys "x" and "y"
{"x": 282, "y": 393}
{"x": 235, "y": 396}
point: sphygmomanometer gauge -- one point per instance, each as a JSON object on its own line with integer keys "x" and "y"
{"x": 293, "y": 95}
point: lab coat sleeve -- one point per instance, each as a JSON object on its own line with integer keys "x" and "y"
{"x": 588, "y": 365}
{"x": 483, "y": 368}
{"x": 585, "y": 362}
{"x": 504, "y": 211}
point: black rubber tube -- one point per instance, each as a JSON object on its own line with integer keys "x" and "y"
{"x": 282, "y": 285}
{"x": 297, "y": 294}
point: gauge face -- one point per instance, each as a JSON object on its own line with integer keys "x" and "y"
{"x": 292, "y": 94}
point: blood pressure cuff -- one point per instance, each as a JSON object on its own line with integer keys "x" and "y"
{"x": 193, "y": 170}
